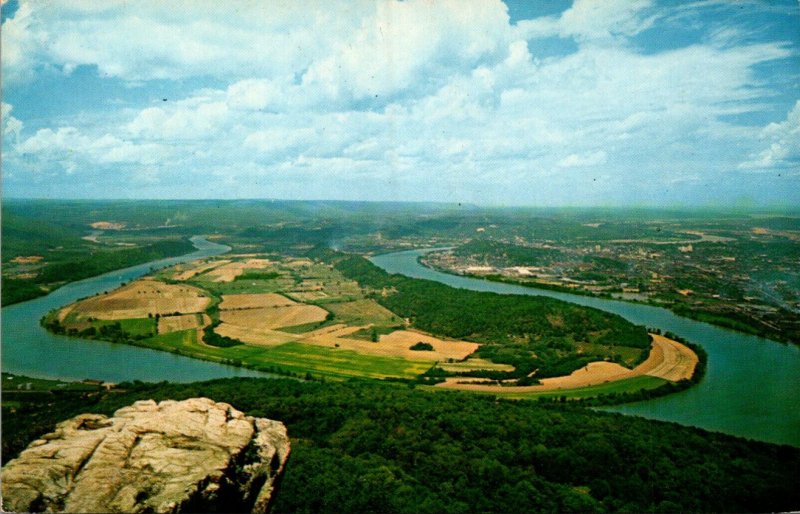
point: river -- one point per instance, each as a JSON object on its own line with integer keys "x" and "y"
{"x": 28, "y": 349}
{"x": 751, "y": 387}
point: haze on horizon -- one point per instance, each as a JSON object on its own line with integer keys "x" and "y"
{"x": 612, "y": 102}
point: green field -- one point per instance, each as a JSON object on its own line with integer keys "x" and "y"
{"x": 133, "y": 326}
{"x": 295, "y": 357}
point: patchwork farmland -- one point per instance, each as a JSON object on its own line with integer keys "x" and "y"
{"x": 301, "y": 316}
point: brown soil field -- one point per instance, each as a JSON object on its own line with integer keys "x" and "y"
{"x": 299, "y": 262}
{"x": 253, "y": 301}
{"x": 305, "y": 296}
{"x": 396, "y": 344}
{"x": 107, "y": 225}
{"x": 63, "y": 313}
{"x": 230, "y": 271}
{"x": 198, "y": 269}
{"x": 668, "y": 359}
{"x": 274, "y": 317}
{"x": 143, "y": 297}
{"x": 27, "y": 259}
{"x": 176, "y": 323}
{"x": 337, "y": 331}
{"x": 254, "y": 336}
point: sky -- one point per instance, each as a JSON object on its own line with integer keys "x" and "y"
{"x": 537, "y": 103}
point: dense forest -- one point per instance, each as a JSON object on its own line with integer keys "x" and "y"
{"x": 528, "y": 332}
{"x": 371, "y": 447}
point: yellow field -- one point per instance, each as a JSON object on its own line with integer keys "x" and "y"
{"x": 230, "y": 271}
{"x": 306, "y": 296}
{"x": 397, "y": 344}
{"x": 274, "y": 317}
{"x": 254, "y": 301}
{"x": 177, "y": 323}
{"x": 295, "y": 263}
{"x": 253, "y": 335}
{"x": 143, "y": 298}
{"x": 668, "y": 359}
{"x": 198, "y": 269}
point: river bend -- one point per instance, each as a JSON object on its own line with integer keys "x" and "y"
{"x": 751, "y": 387}
{"x": 29, "y": 349}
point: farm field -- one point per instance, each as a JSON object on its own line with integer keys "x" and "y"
{"x": 669, "y": 361}
{"x": 338, "y": 331}
{"x": 143, "y": 298}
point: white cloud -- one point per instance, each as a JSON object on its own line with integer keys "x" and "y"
{"x": 69, "y": 148}
{"x": 186, "y": 120}
{"x": 447, "y": 94}
{"x": 11, "y": 126}
{"x": 784, "y": 144}
{"x": 594, "y": 21}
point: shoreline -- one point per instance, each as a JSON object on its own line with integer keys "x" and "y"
{"x": 686, "y": 313}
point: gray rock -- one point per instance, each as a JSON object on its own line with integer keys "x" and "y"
{"x": 193, "y": 455}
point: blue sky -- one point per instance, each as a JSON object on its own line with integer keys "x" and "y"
{"x": 591, "y": 102}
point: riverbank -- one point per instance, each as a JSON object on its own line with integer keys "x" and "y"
{"x": 715, "y": 319}
{"x": 750, "y": 384}
{"x": 30, "y": 350}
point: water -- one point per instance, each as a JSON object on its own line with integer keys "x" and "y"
{"x": 28, "y": 349}
{"x": 751, "y": 387}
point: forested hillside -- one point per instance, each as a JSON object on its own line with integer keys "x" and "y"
{"x": 370, "y": 447}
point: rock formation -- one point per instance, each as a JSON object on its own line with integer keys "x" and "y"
{"x": 194, "y": 455}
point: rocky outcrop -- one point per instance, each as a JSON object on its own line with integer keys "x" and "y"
{"x": 193, "y": 455}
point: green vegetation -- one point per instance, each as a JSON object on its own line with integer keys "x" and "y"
{"x": 295, "y": 359}
{"x": 95, "y": 262}
{"x": 370, "y": 447}
{"x": 257, "y": 275}
{"x": 117, "y": 331}
{"x": 530, "y": 333}
{"x": 212, "y": 338}
{"x": 421, "y": 347}
{"x": 496, "y": 253}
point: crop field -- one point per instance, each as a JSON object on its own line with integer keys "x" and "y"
{"x": 362, "y": 312}
{"x": 143, "y": 298}
{"x": 296, "y": 357}
{"x": 252, "y": 301}
{"x": 308, "y": 296}
{"x": 342, "y": 362}
{"x": 196, "y": 268}
{"x": 254, "y": 335}
{"x": 274, "y": 317}
{"x": 135, "y": 327}
{"x": 395, "y": 348}
{"x": 343, "y": 334}
{"x": 178, "y": 323}
{"x": 473, "y": 364}
{"x": 668, "y": 361}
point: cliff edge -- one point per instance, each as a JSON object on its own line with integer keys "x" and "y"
{"x": 193, "y": 455}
